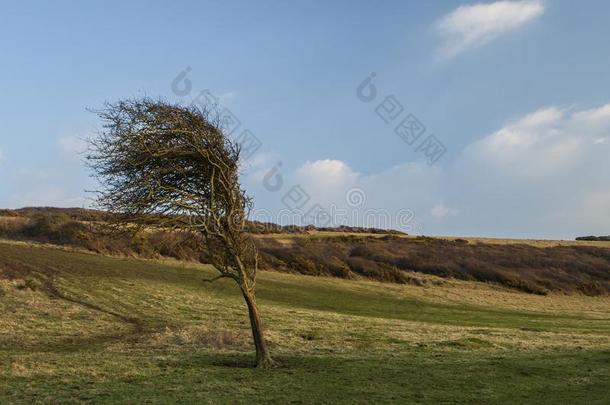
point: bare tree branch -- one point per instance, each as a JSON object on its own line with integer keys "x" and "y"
{"x": 164, "y": 165}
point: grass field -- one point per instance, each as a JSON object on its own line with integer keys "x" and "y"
{"x": 80, "y": 327}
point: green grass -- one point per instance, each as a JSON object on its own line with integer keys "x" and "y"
{"x": 78, "y": 327}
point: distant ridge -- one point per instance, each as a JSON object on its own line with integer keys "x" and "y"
{"x": 594, "y": 238}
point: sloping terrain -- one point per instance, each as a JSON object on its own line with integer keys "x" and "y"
{"x": 539, "y": 267}
{"x": 569, "y": 269}
{"x": 79, "y": 327}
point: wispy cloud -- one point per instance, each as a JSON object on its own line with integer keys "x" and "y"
{"x": 544, "y": 174}
{"x": 472, "y": 26}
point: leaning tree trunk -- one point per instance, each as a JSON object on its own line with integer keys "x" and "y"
{"x": 263, "y": 358}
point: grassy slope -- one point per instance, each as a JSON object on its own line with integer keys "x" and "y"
{"x": 541, "y": 243}
{"x": 78, "y": 327}
{"x": 528, "y": 265}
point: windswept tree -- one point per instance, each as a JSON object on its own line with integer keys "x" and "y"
{"x": 171, "y": 166}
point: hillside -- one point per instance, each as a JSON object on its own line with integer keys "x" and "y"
{"x": 538, "y": 267}
{"x": 79, "y": 327}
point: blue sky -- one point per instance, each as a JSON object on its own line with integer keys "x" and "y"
{"x": 515, "y": 91}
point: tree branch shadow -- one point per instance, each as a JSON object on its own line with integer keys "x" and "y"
{"x": 44, "y": 280}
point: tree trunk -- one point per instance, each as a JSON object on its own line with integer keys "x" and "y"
{"x": 263, "y": 358}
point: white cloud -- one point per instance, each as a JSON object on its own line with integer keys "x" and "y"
{"x": 595, "y": 116}
{"x": 472, "y": 26}
{"x": 1, "y": 154}
{"x": 540, "y": 143}
{"x": 257, "y": 167}
{"x": 327, "y": 175}
{"x": 440, "y": 211}
{"x": 401, "y": 186}
{"x": 548, "y": 141}
{"x": 546, "y": 174}
{"x": 384, "y": 199}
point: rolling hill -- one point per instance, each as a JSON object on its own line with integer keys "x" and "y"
{"x": 84, "y": 327}
{"x": 538, "y": 267}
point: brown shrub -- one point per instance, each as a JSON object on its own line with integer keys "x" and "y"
{"x": 572, "y": 269}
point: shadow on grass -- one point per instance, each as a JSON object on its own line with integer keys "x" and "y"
{"x": 42, "y": 279}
